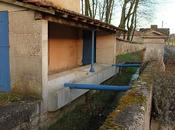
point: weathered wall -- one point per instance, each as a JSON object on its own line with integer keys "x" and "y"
{"x": 106, "y": 49}
{"x": 25, "y": 38}
{"x": 65, "y": 48}
{"x": 127, "y": 47}
{"x": 23, "y": 115}
{"x": 154, "y": 51}
{"x": 73, "y": 5}
{"x": 134, "y": 109}
{"x": 137, "y": 39}
{"x": 154, "y": 41}
{"x": 59, "y": 96}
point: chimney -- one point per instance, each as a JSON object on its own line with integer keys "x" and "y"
{"x": 153, "y": 26}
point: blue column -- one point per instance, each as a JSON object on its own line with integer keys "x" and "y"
{"x": 4, "y": 52}
{"x": 92, "y": 52}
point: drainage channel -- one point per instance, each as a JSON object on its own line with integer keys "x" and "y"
{"x": 91, "y": 114}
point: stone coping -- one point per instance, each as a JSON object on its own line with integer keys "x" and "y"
{"x": 134, "y": 108}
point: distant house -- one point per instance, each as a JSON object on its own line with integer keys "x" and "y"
{"x": 155, "y": 35}
{"x": 43, "y": 46}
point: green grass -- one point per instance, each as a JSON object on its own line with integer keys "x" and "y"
{"x": 130, "y": 57}
{"x": 123, "y": 78}
{"x": 86, "y": 116}
{"x": 6, "y": 98}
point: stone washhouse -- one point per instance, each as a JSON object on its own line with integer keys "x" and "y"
{"x": 155, "y": 35}
{"x": 42, "y": 47}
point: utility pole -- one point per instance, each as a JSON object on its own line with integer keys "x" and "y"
{"x": 162, "y": 24}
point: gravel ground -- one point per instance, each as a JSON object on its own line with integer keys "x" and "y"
{"x": 16, "y": 114}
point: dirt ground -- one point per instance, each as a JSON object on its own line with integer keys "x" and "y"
{"x": 170, "y": 68}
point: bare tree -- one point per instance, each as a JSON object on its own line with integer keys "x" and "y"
{"x": 102, "y": 9}
{"x": 131, "y": 11}
{"x": 129, "y": 16}
{"x": 89, "y": 7}
{"x": 146, "y": 11}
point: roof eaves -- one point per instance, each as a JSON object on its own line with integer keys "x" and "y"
{"x": 79, "y": 17}
{"x": 55, "y": 11}
{"x": 29, "y": 6}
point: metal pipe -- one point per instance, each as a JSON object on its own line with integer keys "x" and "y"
{"x": 126, "y": 65}
{"x": 92, "y": 52}
{"x": 97, "y": 87}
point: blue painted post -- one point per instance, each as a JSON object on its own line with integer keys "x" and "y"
{"x": 92, "y": 52}
{"x": 4, "y": 52}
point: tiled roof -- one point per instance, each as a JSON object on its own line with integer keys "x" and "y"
{"x": 165, "y": 31}
{"x": 49, "y": 8}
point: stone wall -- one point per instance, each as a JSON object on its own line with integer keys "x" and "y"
{"x": 134, "y": 108}
{"x": 59, "y": 96}
{"x": 25, "y": 40}
{"x": 154, "y": 52}
{"x": 28, "y": 40}
{"x": 127, "y": 47}
{"x": 25, "y": 115}
{"x": 154, "y": 40}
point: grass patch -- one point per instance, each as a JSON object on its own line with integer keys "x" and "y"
{"x": 6, "y": 98}
{"x": 131, "y": 98}
{"x": 130, "y": 57}
{"x": 92, "y": 114}
{"x": 89, "y": 115}
{"x": 123, "y": 78}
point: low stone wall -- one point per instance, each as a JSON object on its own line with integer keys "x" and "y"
{"x": 127, "y": 47}
{"x": 25, "y": 115}
{"x": 154, "y": 52}
{"x": 134, "y": 109}
{"x": 59, "y": 96}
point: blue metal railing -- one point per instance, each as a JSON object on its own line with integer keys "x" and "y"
{"x": 97, "y": 87}
{"x": 126, "y": 65}
{"x": 107, "y": 87}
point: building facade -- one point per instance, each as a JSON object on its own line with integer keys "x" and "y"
{"x": 155, "y": 35}
{"x": 46, "y": 48}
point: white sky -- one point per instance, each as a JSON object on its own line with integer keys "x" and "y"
{"x": 164, "y": 11}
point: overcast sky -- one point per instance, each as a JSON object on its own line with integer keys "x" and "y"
{"x": 164, "y": 11}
